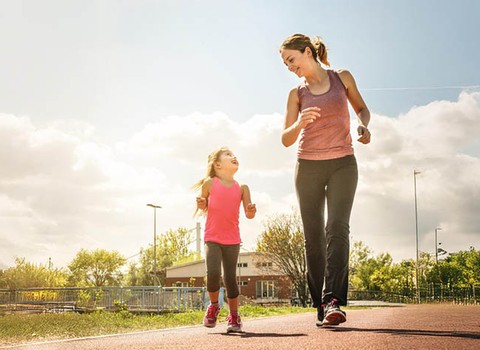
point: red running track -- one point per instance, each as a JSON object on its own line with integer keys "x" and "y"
{"x": 436, "y": 326}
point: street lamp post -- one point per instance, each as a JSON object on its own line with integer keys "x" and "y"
{"x": 415, "y": 173}
{"x": 436, "y": 245}
{"x": 155, "y": 207}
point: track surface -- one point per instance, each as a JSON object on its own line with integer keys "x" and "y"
{"x": 411, "y": 327}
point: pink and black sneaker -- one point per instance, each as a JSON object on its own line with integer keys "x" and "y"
{"x": 234, "y": 323}
{"x": 210, "y": 318}
{"x": 333, "y": 315}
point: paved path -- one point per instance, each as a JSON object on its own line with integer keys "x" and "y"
{"x": 411, "y": 327}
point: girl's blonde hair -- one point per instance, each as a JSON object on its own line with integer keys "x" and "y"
{"x": 212, "y": 158}
{"x": 300, "y": 42}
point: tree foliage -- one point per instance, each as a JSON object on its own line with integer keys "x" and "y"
{"x": 28, "y": 275}
{"x": 282, "y": 242}
{"x": 172, "y": 247}
{"x": 367, "y": 272}
{"x": 96, "y": 268}
{"x": 461, "y": 269}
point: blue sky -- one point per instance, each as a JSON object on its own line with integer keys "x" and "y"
{"x": 117, "y": 103}
{"x": 121, "y": 62}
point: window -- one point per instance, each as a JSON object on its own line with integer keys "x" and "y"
{"x": 180, "y": 284}
{"x": 264, "y": 264}
{"x": 267, "y": 289}
{"x": 243, "y": 283}
{"x": 242, "y": 264}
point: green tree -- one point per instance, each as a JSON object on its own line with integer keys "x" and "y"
{"x": 96, "y": 268}
{"x": 461, "y": 269}
{"x": 133, "y": 276}
{"x": 172, "y": 248}
{"x": 372, "y": 273}
{"x": 359, "y": 255}
{"x": 406, "y": 277}
{"x": 472, "y": 263}
{"x": 377, "y": 271}
{"x": 426, "y": 262}
{"x": 29, "y": 275}
{"x": 282, "y": 242}
{"x": 447, "y": 272}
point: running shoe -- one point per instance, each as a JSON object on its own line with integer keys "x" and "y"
{"x": 320, "y": 315}
{"x": 210, "y": 318}
{"x": 234, "y": 323}
{"x": 333, "y": 315}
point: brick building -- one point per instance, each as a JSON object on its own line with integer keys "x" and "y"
{"x": 257, "y": 278}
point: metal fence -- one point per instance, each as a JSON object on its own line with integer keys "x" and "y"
{"x": 446, "y": 293}
{"x": 151, "y": 299}
{"x": 377, "y": 295}
{"x": 148, "y": 299}
{"x": 435, "y": 293}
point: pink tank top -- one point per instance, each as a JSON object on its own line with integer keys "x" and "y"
{"x": 223, "y": 213}
{"x": 328, "y": 137}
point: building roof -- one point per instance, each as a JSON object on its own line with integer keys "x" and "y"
{"x": 202, "y": 261}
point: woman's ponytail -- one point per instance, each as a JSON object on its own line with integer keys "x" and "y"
{"x": 321, "y": 50}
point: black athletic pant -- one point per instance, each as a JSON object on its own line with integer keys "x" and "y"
{"x": 331, "y": 183}
{"x": 215, "y": 255}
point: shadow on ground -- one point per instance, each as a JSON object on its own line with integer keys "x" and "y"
{"x": 412, "y": 332}
{"x": 265, "y": 335}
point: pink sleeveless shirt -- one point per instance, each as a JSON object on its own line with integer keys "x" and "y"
{"x": 223, "y": 213}
{"x": 328, "y": 137}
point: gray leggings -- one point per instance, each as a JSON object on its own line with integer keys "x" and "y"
{"x": 215, "y": 255}
{"x": 332, "y": 182}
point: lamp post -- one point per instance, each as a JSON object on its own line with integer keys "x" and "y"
{"x": 436, "y": 245}
{"x": 155, "y": 207}
{"x": 415, "y": 173}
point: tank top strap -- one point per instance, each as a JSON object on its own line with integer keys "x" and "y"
{"x": 335, "y": 79}
{"x": 302, "y": 89}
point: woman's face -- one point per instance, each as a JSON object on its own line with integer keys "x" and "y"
{"x": 295, "y": 60}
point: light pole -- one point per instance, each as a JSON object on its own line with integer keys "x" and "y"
{"x": 155, "y": 207}
{"x": 436, "y": 245}
{"x": 415, "y": 173}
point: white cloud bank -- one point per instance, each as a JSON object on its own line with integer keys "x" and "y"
{"x": 60, "y": 192}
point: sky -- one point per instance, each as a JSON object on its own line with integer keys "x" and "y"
{"x": 106, "y": 106}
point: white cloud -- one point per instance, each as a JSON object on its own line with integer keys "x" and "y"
{"x": 430, "y": 139}
{"x": 60, "y": 191}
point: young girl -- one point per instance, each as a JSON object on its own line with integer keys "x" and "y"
{"x": 220, "y": 200}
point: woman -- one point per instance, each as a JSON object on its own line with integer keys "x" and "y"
{"x": 326, "y": 172}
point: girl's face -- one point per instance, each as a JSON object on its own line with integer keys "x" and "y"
{"x": 227, "y": 160}
{"x": 295, "y": 60}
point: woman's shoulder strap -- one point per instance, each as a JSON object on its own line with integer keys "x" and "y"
{"x": 337, "y": 73}
{"x": 301, "y": 88}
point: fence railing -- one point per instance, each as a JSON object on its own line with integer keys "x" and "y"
{"x": 432, "y": 294}
{"x": 154, "y": 299}
{"x": 443, "y": 293}
{"x": 378, "y": 295}
{"x": 139, "y": 299}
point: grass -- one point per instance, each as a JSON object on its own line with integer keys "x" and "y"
{"x": 18, "y": 329}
